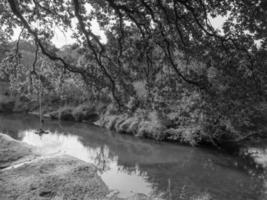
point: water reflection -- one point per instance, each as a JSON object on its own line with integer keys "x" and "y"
{"x": 131, "y": 165}
{"x": 114, "y": 175}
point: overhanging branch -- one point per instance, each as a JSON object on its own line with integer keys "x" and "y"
{"x": 15, "y": 9}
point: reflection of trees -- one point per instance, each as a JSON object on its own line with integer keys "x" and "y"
{"x": 171, "y": 182}
{"x": 176, "y": 179}
{"x": 103, "y": 158}
{"x": 161, "y": 177}
{"x": 104, "y": 149}
{"x": 132, "y": 170}
{"x": 170, "y": 179}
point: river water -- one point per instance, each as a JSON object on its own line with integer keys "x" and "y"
{"x": 130, "y": 165}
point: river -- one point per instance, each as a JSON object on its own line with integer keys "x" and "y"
{"x": 130, "y": 165}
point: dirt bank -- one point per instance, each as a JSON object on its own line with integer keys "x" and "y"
{"x": 26, "y": 174}
{"x": 13, "y": 152}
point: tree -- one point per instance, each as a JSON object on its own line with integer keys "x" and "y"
{"x": 146, "y": 38}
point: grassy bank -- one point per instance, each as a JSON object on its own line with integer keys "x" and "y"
{"x": 174, "y": 124}
{"x": 140, "y": 123}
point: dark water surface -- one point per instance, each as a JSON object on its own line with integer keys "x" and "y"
{"x": 131, "y": 165}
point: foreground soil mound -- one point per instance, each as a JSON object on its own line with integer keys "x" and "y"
{"x": 14, "y": 152}
{"x": 60, "y": 177}
{"x": 27, "y": 175}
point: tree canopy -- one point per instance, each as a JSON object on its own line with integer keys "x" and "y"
{"x": 146, "y": 39}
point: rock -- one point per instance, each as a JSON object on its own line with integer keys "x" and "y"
{"x": 55, "y": 178}
{"x": 12, "y": 152}
{"x": 60, "y": 177}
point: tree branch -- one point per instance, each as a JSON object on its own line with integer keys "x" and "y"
{"x": 90, "y": 45}
{"x": 15, "y": 9}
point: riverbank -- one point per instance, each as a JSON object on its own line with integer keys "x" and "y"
{"x": 131, "y": 165}
{"x": 141, "y": 123}
{"x": 26, "y": 173}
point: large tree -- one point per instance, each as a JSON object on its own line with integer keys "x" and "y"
{"x": 146, "y": 37}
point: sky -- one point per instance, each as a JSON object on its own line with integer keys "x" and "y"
{"x": 61, "y": 38}
{"x": 64, "y": 38}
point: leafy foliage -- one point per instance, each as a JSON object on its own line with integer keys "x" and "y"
{"x": 211, "y": 79}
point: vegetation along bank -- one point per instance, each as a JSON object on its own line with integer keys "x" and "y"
{"x": 162, "y": 70}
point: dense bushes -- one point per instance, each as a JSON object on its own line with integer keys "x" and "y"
{"x": 150, "y": 124}
{"x": 139, "y": 124}
{"x": 6, "y": 104}
{"x": 155, "y": 104}
{"x": 75, "y": 113}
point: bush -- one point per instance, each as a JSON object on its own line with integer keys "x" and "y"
{"x": 6, "y": 104}
{"x": 204, "y": 196}
{"x": 141, "y": 124}
{"x": 84, "y": 113}
{"x": 190, "y": 134}
{"x": 66, "y": 114}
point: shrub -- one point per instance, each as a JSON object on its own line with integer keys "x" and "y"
{"x": 65, "y": 113}
{"x": 6, "y": 104}
{"x": 84, "y": 112}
